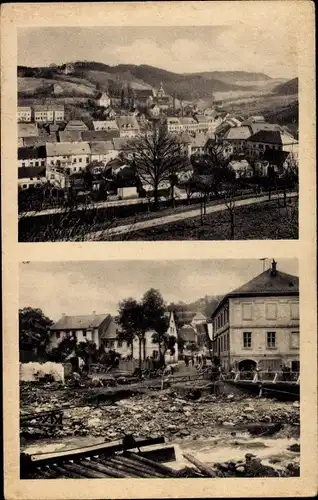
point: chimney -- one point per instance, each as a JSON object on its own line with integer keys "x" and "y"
{"x": 273, "y": 269}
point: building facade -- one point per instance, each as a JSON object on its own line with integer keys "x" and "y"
{"x": 46, "y": 113}
{"x": 257, "y": 325}
{"x": 24, "y": 114}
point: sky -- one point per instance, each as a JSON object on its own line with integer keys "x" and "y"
{"x": 260, "y": 47}
{"x": 83, "y": 287}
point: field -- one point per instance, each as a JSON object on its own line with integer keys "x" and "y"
{"x": 257, "y": 222}
{"x": 33, "y": 85}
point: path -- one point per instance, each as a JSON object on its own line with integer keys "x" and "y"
{"x": 160, "y": 221}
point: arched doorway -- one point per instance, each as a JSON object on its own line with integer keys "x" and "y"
{"x": 247, "y": 365}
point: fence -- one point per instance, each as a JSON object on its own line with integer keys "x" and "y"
{"x": 263, "y": 376}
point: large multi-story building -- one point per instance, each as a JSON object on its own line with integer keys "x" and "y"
{"x": 257, "y": 325}
{"x": 46, "y": 113}
{"x": 258, "y": 143}
{"x": 75, "y": 155}
{"x": 24, "y": 114}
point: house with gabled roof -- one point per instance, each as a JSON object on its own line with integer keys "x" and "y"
{"x": 262, "y": 140}
{"x": 257, "y": 324}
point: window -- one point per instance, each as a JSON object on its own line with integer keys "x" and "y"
{"x": 271, "y": 311}
{"x": 36, "y": 163}
{"x": 80, "y": 160}
{"x": 294, "y": 310}
{"x": 294, "y": 340}
{"x": 120, "y": 343}
{"x": 74, "y": 160}
{"x": 42, "y": 163}
{"x": 84, "y": 334}
{"x": 247, "y": 340}
{"x": 23, "y": 164}
{"x": 87, "y": 159}
{"x": 271, "y": 340}
{"x": 25, "y": 186}
{"x": 52, "y": 176}
{"x": 58, "y": 334}
{"x": 247, "y": 311}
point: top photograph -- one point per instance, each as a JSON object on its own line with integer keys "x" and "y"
{"x": 157, "y": 133}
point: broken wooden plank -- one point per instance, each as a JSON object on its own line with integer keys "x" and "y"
{"x": 205, "y": 469}
{"x": 167, "y": 471}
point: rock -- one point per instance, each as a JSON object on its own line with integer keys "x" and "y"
{"x": 248, "y": 409}
{"x": 230, "y": 396}
{"x": 93, "y": 422}
{"x": 296, "y": 404}
{"x": 228, "y": 424}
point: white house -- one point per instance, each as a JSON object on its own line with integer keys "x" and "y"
{"x": 24, "y": 114}
{"x": 128, "y": 126}
{"x": 46, "y": 113}
{"x": 105, "y": 125}
{"x": 31, "y": 176}
{"x": 74, "y": 155}
{"x": 259, "y": 142}
{"x": 103, "y": 151}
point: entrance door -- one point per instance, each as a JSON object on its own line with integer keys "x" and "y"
{"x": 295, "y": 366}
{"x": 247, "y": 365}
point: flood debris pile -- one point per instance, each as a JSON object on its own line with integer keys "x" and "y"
{"x": 178, "y": 416}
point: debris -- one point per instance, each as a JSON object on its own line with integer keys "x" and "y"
{"x": 205, "y": 469}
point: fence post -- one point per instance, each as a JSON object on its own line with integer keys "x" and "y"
{"x": 255, "y": 379}
{"x": 298, "y": 379}
{"x": 275, "y": 378}
{"x": 237, "y": 377}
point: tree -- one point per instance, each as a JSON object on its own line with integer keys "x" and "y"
{"x": 157, "y": 156}
{"x": 154, "y": 310}
{"x": 133, "y": 323}
{"x": 34, "y": 333}
{"x": 229, "y": 197}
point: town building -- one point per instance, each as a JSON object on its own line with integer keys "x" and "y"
{"x": 257, "y": 325}
{"x": 105, "y": 125}
{"x": 259, "y": 142}
{"x": 45, "y": 113}
{"x": 161, "y": 99}
{"x": 99, "y": 135}
{"x": 241, "y": 167}
{"x": 103, "y": 151}
{"x": 128, "y": 126}
{"x": 31, "y": 177}
{"x": 39, "y": 140}
{"x": 73, "y": 155}
{"x": 103, "y": 330}
{"x": 24, "y": 114}
{"x": 278, "y": 161}
{"x": 237, "y": 136}
{"x": 27, "y": 130}
{"x": 104, "y": 100}
{"x": 31, "y": 157}
{"x": 92, "y": 327}
{"x": 76, "y": 125}
{"x": 70, "y": 135}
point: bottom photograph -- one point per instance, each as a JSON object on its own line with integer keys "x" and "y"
{"x": 159, "y": 369}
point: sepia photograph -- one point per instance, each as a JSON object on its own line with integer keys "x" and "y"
{"x": 149, "y": 133}
{"x": 159, "y": 369}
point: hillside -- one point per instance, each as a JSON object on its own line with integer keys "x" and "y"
{"x": 206, "y": 305}
{"x": 287, "y": 88}
{"x": 235, "y": 77}
{"x": 187, "y": 87}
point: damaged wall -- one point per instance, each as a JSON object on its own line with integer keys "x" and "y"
{"x": 31, "y": 372}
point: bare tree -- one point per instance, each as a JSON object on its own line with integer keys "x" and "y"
{"x": 157, "y": 156}
{"x": 229, "y": 196}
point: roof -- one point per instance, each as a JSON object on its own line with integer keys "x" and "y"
{"x": 199, "y": 316}
{"x": 238, "y": 133}
{"x": 101, "y": 147}
{"x": 265, "y": 284}
{"x": 28, "y": 172}
{"x": 70, "y": 136}
{"x": 99, "y": 135}
{"x": 40, "y": 140}
{"x": 127, "y": 122}
{"x": 67, "y": 148}
{"x": 256, "y": 127}
{"x": 204, "y": 118}
{"x": 272, "y": 137}
{"x": 24, "y": 108}
{"x": 76, "y": 125}
{"x": 105, "y": 124}
{"x": 187, "y": 120}
{"x": 121, "y": 143}
{"x": 275, "y": 157}
{"x": 27, "y": 129}
{"x": 258, "y": 118}
{"x": 80, "y": 322}
{"x": 28, "y": 153}
{"x": 48, "y": 107}
{"x": 199, "y": 140}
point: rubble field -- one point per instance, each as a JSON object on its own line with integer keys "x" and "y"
{"x": 234, "y": 424}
